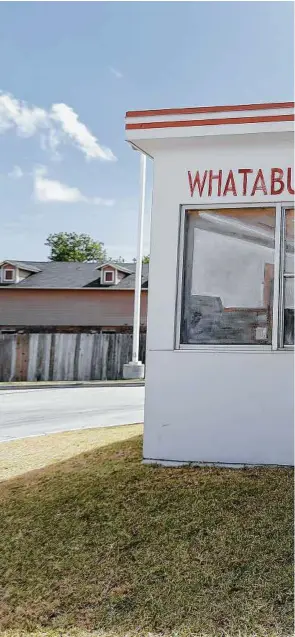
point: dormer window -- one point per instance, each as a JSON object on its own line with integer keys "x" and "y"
{"x": 112, "y": 273}
{"x": 109, "y": 276}
{"x": 8, "y": 275}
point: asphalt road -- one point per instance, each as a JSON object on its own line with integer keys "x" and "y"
{"x": 42, "y": 411}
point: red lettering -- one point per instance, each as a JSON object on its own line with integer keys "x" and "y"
{"x": 230, "y": 185}
{"x": 211, "y": 177}
{"x": 196, "y": 182}
{"x": 199, "y": 180}
{"x": 290, "y": 188}
{"x": 245, "y": 172}
{"x": 259, "y": 183}
{"x": 277, "y": 180}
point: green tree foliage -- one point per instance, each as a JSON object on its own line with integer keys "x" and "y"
{"x": 70, "y": 246}
{"x": 145, "y": 259}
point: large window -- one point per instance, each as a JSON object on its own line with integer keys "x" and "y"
{"x": 237, "y": 274}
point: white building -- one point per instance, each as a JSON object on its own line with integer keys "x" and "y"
{"x": 220, "y": 374}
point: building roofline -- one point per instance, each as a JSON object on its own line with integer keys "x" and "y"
{"x": 210, "y": 109}
{"x": 21, "y": 265}
{"x": 263, "y": 119}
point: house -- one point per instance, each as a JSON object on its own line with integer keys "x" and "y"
{"x": 69, "y": 296}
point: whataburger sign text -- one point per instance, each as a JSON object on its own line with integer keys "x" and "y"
{"x": 244, "y": 182}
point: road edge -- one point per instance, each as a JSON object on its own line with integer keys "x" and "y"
{"x": 68, "y": 385}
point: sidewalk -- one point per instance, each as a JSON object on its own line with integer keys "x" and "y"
{"x": 59, "y": 384}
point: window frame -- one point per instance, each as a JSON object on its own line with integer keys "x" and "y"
{"x": 282, "y": 276}
{"x": 112, "y": 272}
{"x": 4, "y": 279}
{"x": 277, "y": 344}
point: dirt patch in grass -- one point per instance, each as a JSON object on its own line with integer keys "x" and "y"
{"x": 101, "y": 542}
{"x": 21, "y": 456}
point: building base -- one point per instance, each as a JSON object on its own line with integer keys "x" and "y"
{"x": 133, "y": 370}
{"x": 216, "y": 465}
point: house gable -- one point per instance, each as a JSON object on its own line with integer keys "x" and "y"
{"x": 112, "y": 274}
{"x": 109, "y": 275}
{"x": 115, "y": 266}
{"x": 12, "y": 272}
{"x": 8, "y": 273}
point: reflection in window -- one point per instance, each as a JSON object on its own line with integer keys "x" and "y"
{"x": 289, "y": 278}
{"x": 228, "y": 277}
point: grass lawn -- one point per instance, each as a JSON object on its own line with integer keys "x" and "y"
{"x": 99, "y": 544}
{"x": 21, "y": 456}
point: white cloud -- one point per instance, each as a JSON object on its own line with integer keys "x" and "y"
{"x": 56, "y": 126}
{"x": 16, "y": 173}
{"x": 50, "y": 190}
{"x": 79, "y": 133}
{"x": 50, "y": 142}
{"x": 116, "y": 73}
{"x": 14, "y": 113}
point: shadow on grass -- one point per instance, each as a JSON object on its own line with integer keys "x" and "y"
{"x": 101, "y": 541}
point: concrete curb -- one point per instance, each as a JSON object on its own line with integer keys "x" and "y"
{"x": 65, "y": 385}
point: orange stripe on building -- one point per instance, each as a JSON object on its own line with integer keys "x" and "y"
{"x": 211, "y": 122}
{"x": 210, "y": 109}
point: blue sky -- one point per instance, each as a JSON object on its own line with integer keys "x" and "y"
{"x": 82, "y": 65}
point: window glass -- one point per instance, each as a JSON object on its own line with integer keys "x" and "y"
{"x": 289, "y": 278}
{"x": 228, "y": 277}
{"x": 109, "y": 276}
{"x": 8, "y": 275}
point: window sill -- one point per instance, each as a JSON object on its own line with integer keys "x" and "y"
{"x": 249, "y": 349}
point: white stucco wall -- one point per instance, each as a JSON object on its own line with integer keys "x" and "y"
{"x": 211, "y": 406}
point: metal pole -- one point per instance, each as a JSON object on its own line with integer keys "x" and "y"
{"x": 137, "y": 295}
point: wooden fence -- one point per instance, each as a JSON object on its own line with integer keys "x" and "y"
{"x": 39, "y": 357}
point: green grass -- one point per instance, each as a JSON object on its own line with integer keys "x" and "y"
{"x": 102, "y": 545}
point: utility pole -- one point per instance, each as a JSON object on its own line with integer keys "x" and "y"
{"x": 135, "y": 369}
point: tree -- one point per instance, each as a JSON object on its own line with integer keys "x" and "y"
{"x": 145, "y": 259}
{"x": 70, "y": 246}
{"x": 118, "y": 260}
